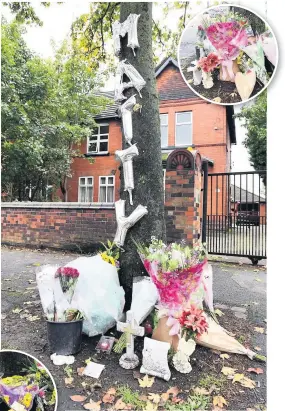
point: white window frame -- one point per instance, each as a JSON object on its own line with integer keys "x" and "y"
{"x": 106, "y": 185}
{"x": 165, "y": 125}
{"x": 100, "y": 138}
{"x": 85, "y": 185}
{"x": 185, "y": 122}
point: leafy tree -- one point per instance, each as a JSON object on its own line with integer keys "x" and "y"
{"x": 254, "y": 119}
{"x": 47, "y": 108}
{"x": 24, "y": 11}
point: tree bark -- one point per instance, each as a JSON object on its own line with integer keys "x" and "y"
{"x": 148, "y": 173}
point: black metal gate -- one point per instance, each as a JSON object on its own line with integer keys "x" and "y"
{"x": 234, "y": 214}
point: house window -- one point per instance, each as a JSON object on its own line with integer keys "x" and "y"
{"x": 164, "y": 129}
{"x": 183, "y": 132}
{"x": 107, "y": 189}
{"x": 97, "y": 143}
{"x": 85, "y": 191}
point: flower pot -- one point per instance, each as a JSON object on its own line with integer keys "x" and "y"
{"x": 64, "y": 338}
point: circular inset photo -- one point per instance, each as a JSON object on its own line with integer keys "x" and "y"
{"x": 227, "y": 54}
{"x": 25, "y": 383}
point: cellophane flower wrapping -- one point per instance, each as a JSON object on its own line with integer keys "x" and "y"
{"x": 19, "y": 389}
{"x": 68, "y": 277}
{"x": 176, "y": 270}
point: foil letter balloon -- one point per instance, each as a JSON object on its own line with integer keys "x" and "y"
{"x": 126, "y": 111}
{"x": 129, "y": 26}
{"x": 136, "y": 80}
{"x": 124, "y": 223}
{"x": 126, "y": 156}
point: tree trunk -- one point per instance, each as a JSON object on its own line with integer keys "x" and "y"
{"x": 148, "y": 173}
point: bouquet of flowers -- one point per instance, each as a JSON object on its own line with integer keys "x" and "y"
{"x": 111, "y": 254}
{"x": 176, "y": 271}
{"x": 68, "y": 277}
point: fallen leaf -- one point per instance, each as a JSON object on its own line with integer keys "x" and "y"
{"x": 259, "y": 330}
{"x": 17, "y": 310}
{"x": 258, "y": 279}
{"x": 250, "y": 409}
{"x": 150, "y": 406}
{"x": 219, "y": 401}
{"x": 3, "y": 316}
{"x": 201, "y": 391}
{"x": 217, "y": 99}
{"x": 173, "y": 390}
{"x": 120, "y": 405}
{"x": 95, "y": 406}
{"x": 109, "y": 397}
{"x": 248, "y": 383}
{"x": 69, "y": 380}
{"x": 225, "y": 356}
{"x": 88, "y": 360}
{"x": 256, "y": 370}
{"x": 238, "y": 377}
{"x": 256, "y": 270}
{"x": 77, "y": 398}
{"x": 33, "y": 318}
{"x": 228, "y": 371}
{"x": 37, "y": 264}
{"x": 154, "y": 398}
{"x": 146, "y": 381}
{"x": 80, "y": 370}
{"x": 257, "y": 348}
{"x": 219, "y": 312}
{"x": 143, "y": 398}
{"x": 233, "y": 95}
{"x": 190, "y": 81}
{"x": 164, "y": 397}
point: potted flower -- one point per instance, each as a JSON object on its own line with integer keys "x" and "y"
{"x": 64, "y": 325}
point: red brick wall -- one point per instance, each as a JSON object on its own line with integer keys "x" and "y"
{"x": 65, "y": 228}
{"x": 104, "y": 165}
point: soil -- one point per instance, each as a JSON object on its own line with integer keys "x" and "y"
{"x": 226, "y": 90}
{"x": 19, "y": 290}
{"x": 31, "y": 336}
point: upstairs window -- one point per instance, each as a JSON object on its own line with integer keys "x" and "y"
{"x": 183, "y": 128}
{"x": 106, "y": 189}
{"x": 98, "y": 142}
{"x": 85, "y": 190}
{"x": 164, "y": 129}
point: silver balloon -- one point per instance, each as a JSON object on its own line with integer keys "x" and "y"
{"x": 124, "y": 223}
{"x": 126, "y": 111}
{"x": 136, "y": 80}
{"x": 126, "y": 156}
{"x": 130, "y": 26}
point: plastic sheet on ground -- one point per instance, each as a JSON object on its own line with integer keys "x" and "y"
{"x": 217, "y": 338}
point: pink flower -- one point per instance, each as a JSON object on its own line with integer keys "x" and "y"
{"x": 209, "y": 63}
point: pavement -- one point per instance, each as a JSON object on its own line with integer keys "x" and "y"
{"x": 238, "y": 287}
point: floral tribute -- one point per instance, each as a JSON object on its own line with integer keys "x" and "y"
{"x": 176, "y": 270}
{"x": 227, "y": 46}
{"x": 25, "y": 389}
{"x": 111, "y": 254}
{"x": 68, "y": 277}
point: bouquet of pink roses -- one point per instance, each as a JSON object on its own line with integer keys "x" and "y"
{"x": 68, "y": 277}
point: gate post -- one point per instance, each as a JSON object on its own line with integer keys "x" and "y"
{"x": 183, "y": 183}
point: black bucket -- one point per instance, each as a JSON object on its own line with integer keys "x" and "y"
{"x": 65, "y": 338}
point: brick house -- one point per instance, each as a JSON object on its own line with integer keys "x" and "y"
{"x": 186, "y": 121}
